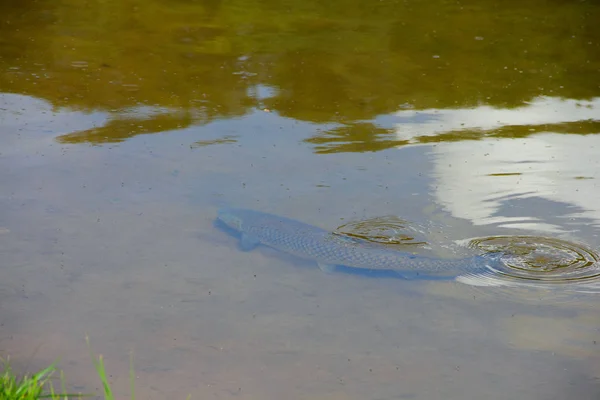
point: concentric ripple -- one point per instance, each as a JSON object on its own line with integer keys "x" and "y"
{"x": 389, "y": 230}
{"x": 531, "y": 260}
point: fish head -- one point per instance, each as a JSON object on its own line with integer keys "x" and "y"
{"x": 230, "y": 219}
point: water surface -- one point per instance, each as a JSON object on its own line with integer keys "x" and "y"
{"x": 124, "y": 126}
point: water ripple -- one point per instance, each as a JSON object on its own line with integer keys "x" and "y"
{"x": 389, "y": 230}
{"x": 532, "y": 261}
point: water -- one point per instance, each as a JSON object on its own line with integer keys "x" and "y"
{"x": 437, "y": 126}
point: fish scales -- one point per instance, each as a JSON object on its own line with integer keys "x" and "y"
{"x": 326, "y": 248}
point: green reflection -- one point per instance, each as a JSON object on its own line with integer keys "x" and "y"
{"x": 355, "y": 138}
{"x": 339, "y": 61}
{"x": 514, "y": 131}
{"x": 118, "y": 130}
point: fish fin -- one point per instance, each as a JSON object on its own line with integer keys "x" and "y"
{"x": 248, "y": 242}
{"x": 327, "y": 268}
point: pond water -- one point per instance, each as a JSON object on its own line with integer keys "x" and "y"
{"x": 441, "y": 128}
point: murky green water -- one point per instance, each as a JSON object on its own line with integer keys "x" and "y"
{"x": 125, "y": 125}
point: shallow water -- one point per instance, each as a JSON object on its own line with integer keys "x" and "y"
{"x": 124, "y": 126}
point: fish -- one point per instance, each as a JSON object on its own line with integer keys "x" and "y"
{"x": 337, "y": 253}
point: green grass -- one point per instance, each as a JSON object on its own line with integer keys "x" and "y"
{"x": 31, "y": 387}
{"x": 40, "y": 385}
{"x": 27, "y": 387}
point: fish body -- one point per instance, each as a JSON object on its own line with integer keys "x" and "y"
{"x": 338, "y": 253}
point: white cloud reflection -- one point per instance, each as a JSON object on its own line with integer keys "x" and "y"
{"x": 483, "y": 180}
{"x": 540, "y": 111}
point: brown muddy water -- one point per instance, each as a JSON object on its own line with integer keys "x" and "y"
{"x": 448, "y": 128}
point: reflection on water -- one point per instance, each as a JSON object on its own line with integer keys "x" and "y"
{"x": 502, "y": 182}
{"x": 542, "y": 114}
{"x": 488, "y": 181}
{"x": 520, "y": 175}
{"x": 125, "y": 125}
{"x": 302, "y": 60}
